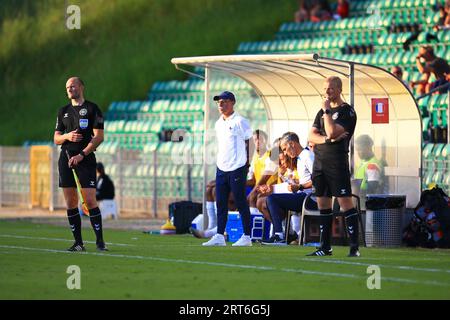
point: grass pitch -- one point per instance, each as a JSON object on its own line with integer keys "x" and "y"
{"x": 34, "y": 263}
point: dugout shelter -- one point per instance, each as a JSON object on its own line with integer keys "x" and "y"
{"x": 290, "y": 87}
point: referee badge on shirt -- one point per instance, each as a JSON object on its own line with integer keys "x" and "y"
{"x": 84, "y": 123}
{"x": 335, "y": 115}
{"x": 83, "y": 112}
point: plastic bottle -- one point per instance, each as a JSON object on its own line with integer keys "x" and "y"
{"x": 290, "y": 176}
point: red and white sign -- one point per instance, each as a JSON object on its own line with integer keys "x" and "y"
{"x": 380, "y": 110}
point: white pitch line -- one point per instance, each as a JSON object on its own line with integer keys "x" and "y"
{"x": 58, "y": 239}
{"x": 380, "y": 265}
{"x": 234, "y": 266}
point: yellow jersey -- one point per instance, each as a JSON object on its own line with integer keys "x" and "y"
{"x": 258, "y": 164}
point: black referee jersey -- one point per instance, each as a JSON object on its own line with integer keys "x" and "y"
{"x": 85, "y": 118}
{"x": 343, "y": 115}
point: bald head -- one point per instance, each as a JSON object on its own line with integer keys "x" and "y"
{"x": 335, "y": 82}
{"x": 333, "y": 88}
{"x": 75, "y": 88}
{"x": 77, "y": 80}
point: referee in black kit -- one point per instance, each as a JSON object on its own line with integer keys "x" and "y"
{"x": 331, "y": 133}
{"x": 79, "y": 129}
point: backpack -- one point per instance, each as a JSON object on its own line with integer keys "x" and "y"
{"x": 183, "y": 212}
{"x": 430, "y": 225}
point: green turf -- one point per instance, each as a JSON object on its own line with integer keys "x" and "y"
{"x": 178, "y": 267}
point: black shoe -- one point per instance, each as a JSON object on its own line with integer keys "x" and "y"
{"x": 77, "y": 247}
{"x": 274, "y": 240}
{"x": 354, "y": 252}
{"x": 320, "y": 252}
{"x": 101, "y": 246}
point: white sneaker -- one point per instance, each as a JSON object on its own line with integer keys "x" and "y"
{"x": 244, "y": 241}
{"x": 217, "y": 240}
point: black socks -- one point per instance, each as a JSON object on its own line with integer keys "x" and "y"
{"x": 351, "y": 220}
{"x": 96, "y": 222}
{"x": 326, "y": 220}
{"x": 75, "y": 224}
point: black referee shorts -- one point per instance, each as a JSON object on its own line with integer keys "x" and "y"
{"x": 331, "y": 177}
{"x": 86, "y": 171}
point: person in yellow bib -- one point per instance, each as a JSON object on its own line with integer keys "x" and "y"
{"x": 370, "y": 171}
{"x": 256, "y": 175}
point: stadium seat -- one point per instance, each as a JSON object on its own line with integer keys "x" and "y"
{"x": 438, "y": 177}
{"x": 425, "y": 128}
{"x": 437, "y": 159}
{"x": 446, "y": 182}
{"x": 427, "y": 156}
{"x": 427, "y": 178}
{"x": 445, "y": 156}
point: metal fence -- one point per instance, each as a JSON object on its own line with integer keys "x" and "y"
{"x": 146, "y": 181}
{"x": 15, "y": 176}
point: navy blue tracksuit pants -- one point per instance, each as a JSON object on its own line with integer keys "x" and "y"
{"x": 278, "y": 205}
{"x": 232, "y": 181}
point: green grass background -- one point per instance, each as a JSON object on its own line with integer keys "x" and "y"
{"x": 123, "y": 47}
{"x": 187, "y": 270}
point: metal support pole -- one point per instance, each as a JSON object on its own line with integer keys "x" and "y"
{"x": 205, "y": 136}
{"x": 352, "y": 103}
{"x": 155, "y": 181}
{"x": 189, "y": 181}
{"x": 51, "y": 205}
{"x": 120, "y": 170}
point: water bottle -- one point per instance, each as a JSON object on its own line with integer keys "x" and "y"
{"x": 290, "y": 176}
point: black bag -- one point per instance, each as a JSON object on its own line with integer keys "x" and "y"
{"x": 430, "y": 225}
{"x": 183, "y": 212}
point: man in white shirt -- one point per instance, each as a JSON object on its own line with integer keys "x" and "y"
{"x": 233, "y": 133}
{"x": 279, "y": 203}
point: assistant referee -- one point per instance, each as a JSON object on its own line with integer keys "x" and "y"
{"x": 79, "y": 131}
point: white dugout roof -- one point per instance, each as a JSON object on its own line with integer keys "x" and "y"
{"x": 291, "y": 88}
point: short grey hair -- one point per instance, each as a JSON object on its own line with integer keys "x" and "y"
{"x": 289, "y": 136}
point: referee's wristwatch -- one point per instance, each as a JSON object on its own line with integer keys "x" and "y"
{"x": 301, "y": 188}
{"x": 82, "y": 153}
{"x": 327, "y": 111}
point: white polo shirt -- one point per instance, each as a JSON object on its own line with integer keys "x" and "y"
{"x": 231, "y": 135}
{"x": 305, "y": 161}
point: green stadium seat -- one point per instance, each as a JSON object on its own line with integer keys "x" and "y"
{"x": 438, "y": 178}
{"x": 427, "y": 155}
{"x": 445, "y": 156}
{"x": 425, "y": 128}
{"x": 390, "y": 58}
{"x": 433, "y": 18}
{"x": 446, "y": 182}
{"x": 427, "y": 178}
{"x": 409, "y": 4}
{"x": 437, "y": 150}
{"x": 423, "y": 106}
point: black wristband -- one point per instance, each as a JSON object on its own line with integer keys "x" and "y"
{"x": 301, "y": 188}
{"x": 82, "y": 153}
